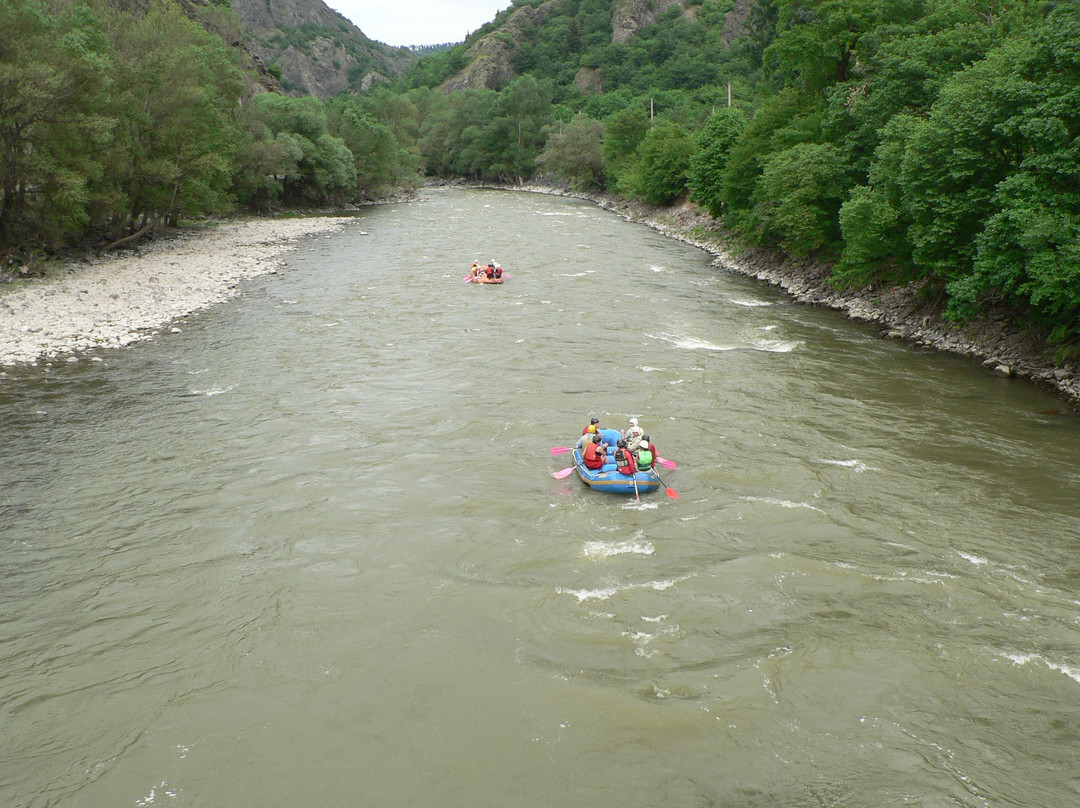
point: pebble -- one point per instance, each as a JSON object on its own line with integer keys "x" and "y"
{"x": 121, "y": 298}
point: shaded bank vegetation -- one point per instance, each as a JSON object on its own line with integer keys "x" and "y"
{"x": 900, "y": 141}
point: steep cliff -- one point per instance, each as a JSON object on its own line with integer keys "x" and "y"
{"x": 317, "y": 50}
{"x": 491, "y": 56}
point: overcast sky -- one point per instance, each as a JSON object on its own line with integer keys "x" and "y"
{"x": 418, "y": 22}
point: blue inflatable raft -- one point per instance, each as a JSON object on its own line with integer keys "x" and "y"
{"x": 611, "y": 480}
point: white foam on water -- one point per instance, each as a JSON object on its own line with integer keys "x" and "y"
{"x": 978, "y": 561}
{"x": 751, "y": 304}
{"x": 642, "y": 639}
{"x": 855, "y": 465}
{"x": 159, "y": 790}
{"x": 588, "y": 594}
{"x": 607, "y": 592}
{"x": 757, "y": 344}
{"x": 1023, "y": 659}
{"x": 695, "y": 344}
{"x": 776, "y": 345}
{"x": 783, "y": 503}
{"x": 214, "y": 391}
{"x": 606, "y": 549}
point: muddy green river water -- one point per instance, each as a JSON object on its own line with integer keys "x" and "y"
{"x": 308, "y": 550}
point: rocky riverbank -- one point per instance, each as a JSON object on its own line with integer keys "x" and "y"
{"x": 114, "y": 299}
{"x": 1003, "y": 349}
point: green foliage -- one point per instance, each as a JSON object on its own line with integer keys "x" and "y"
{"x": 54, "y": 121}
{"x": 799, "y": 195}
{"x": 381, "y": 163}
{"x": 1028, "y": 251}
{"x": 952, "y": 162}
{"x": 658, "y": 174}
{"x": 174, "y": 90}
{"x": 574, "y": 152}
{"x": 782, "y": 120}
{"x": 623, "y": 132}
{"x": 873, "y": 239}
{"x": 311, "y": 165}
{"x": 714, "y": 142}
{"x": 433, "y": 70}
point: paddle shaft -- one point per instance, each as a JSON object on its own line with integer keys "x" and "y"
{"x": 671, "y": 492}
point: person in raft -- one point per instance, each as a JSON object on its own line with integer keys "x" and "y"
{"x": 595, "y": 453}
{"x": 632, "y": 434}
{"x": 624, "y": 459}
{"x": 474, "y": 270}
{"x": 594, "y": 426}
{"x": 646, "y": 454}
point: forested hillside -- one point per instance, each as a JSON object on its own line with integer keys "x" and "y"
{"x": 901, "y": 141}
{"x": 931, "y": 142}
{"x": 117, "y": 117}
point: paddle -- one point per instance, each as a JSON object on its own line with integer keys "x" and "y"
{"x": 637, "y": 493}
{"x": 671, "y": 492}
{"x": 663, "y": 461}
{"x": 563, "y": 473}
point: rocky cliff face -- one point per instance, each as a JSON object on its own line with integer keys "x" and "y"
{"x": 733, "y": 21}
{"x": 632, "y": 15}
{"x": 319, "y": 52}
{"x": 492, "y": 55}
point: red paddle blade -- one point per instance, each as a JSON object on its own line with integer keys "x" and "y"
{"x": 562, "y": 473}
{"x": 671, "y": 492}
{"x": 558, "y": 450}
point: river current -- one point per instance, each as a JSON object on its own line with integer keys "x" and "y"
{"x": 307, "y": 548}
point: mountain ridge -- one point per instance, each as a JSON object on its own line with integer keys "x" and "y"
{"x": 317, "y": 50}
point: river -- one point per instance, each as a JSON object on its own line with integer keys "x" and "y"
{"x": 307, "y": 549}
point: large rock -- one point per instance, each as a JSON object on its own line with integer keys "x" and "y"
{"x": 589, "y": 81}
{"x": 630, "y": 16}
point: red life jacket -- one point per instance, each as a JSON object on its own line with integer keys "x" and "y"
{"x": 625, "y": 462}
{"x": 594, "y": 458}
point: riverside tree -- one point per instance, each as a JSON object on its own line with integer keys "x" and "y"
{"x": 55, "y": 120}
